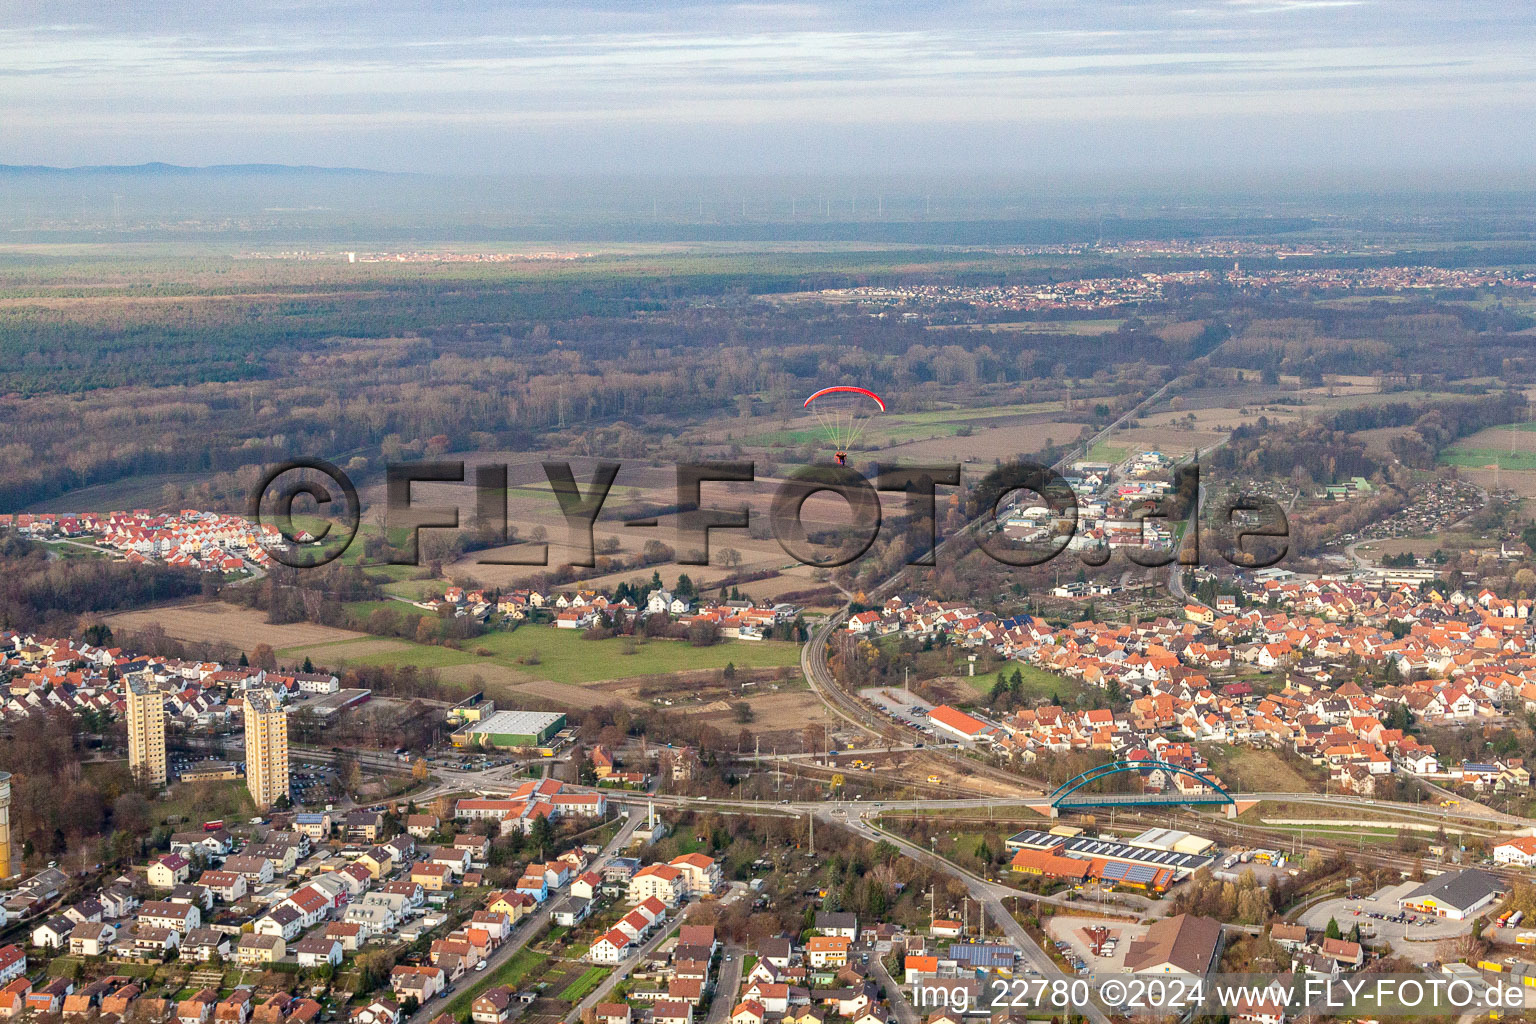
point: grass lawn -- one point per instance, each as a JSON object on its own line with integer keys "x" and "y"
{"x": 397, "y": 573}
{"x": 1388, "y": 815}
{"x": 562, "y": 655}
{"x": 198, "y": 802}
{"x": 1038, "y": 684}
{"x": 65, "y": 549}
{"x": 521, "y": 964}
{"x": 1248, "y": 769}
{"x": 1361, "y": 834}
{"x": 687, "y": 841}
{"x": 1106, "y": 452}
{"x": 583, "y": 986}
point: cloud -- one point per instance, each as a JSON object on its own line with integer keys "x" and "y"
{"x": 382, "y": 77}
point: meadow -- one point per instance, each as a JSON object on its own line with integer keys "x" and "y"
{"x": 559, "y": 655}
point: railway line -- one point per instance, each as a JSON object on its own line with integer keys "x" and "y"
{"x": 813, "y": 655}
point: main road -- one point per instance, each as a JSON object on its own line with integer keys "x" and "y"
{"x": 990, "y": 897}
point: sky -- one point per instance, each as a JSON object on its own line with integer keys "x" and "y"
{"x": 814, "y": 87}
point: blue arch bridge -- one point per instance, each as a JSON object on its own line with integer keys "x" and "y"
{"x": 1075, "y": 794}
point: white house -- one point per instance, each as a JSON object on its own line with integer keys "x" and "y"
{"x": 610, "y": 948}
{"x": 1521, "y": 850}
{"x": 91, "y": 938}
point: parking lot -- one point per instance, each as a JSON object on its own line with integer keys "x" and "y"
{"x": 1071, "y": 940}
{"x": 901, "y": 704}
{"x": 1380, "y": 920}
{"x": 309, "y": 784}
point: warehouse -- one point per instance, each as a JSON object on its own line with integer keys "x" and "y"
{"x": 1104, "y": 851}
{"x": 1454, "y": 894}
{"x": 512, "y": 729}
{"x": 1050, "y": 863}
{"x": 1172, "y": 839}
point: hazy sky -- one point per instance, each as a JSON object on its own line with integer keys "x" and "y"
{"x": 814, "y": 87}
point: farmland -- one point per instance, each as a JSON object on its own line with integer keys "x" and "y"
{"x": 216, "y": 622}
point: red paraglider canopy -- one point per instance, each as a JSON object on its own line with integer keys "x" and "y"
{"x": 843, "y": 418}
{"x": 846, "y": 387}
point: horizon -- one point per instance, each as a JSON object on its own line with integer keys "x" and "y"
{"x": 1206, "y": 87}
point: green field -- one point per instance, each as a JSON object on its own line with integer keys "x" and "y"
{"x": 563, "y": 656}
{"x": 1476, "y": 458}
{"x": 894, "y": 428}
{"x": 1106, "y": 452}
{"x": 521, "y": 964}
{"x": 367, "y": 653}
{"x": 415, "y": 590}
{"x": 583, "y": 986}
{"x": 1038, "y": 683}
{"x": 566, "y": 658}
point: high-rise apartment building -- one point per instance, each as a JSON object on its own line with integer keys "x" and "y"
{"x": 266, "y": 749}
{"x": 8, "y": 865}
{"x": 146, "y": 733}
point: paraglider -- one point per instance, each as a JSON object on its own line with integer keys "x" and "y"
{"x": 843, "y": 412}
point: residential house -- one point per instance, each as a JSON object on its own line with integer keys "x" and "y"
{"x": 255, "y": 950}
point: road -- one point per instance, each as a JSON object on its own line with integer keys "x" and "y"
{"x": 527, "y": 929}
{"x": 813, "y": 656}
{"x": 1175, "y": 568}
{"x": 597, "y": 995}
{"x": 727, "y": 985}
{"x": 990, "y": 895}
{"x": 621, "y": 972}
{"x": 905, "y": 1012}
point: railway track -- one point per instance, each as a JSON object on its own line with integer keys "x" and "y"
{"x": 813, "y": 655}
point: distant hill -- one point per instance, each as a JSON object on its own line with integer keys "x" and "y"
{"x": 170, "y": 170}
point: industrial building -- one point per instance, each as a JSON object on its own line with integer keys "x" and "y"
{"x": 474, "y": 708}
{"x": 1102, "y": 853}
{"x": 512, "y": 729}
{"x": 1454, "y": 894}
{"x": 1173, "y": 840}
{"x": 331, "y": 704}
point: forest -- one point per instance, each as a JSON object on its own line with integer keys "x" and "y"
{"x": 43, "y": 592}
{"x": 171, "y": 381}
